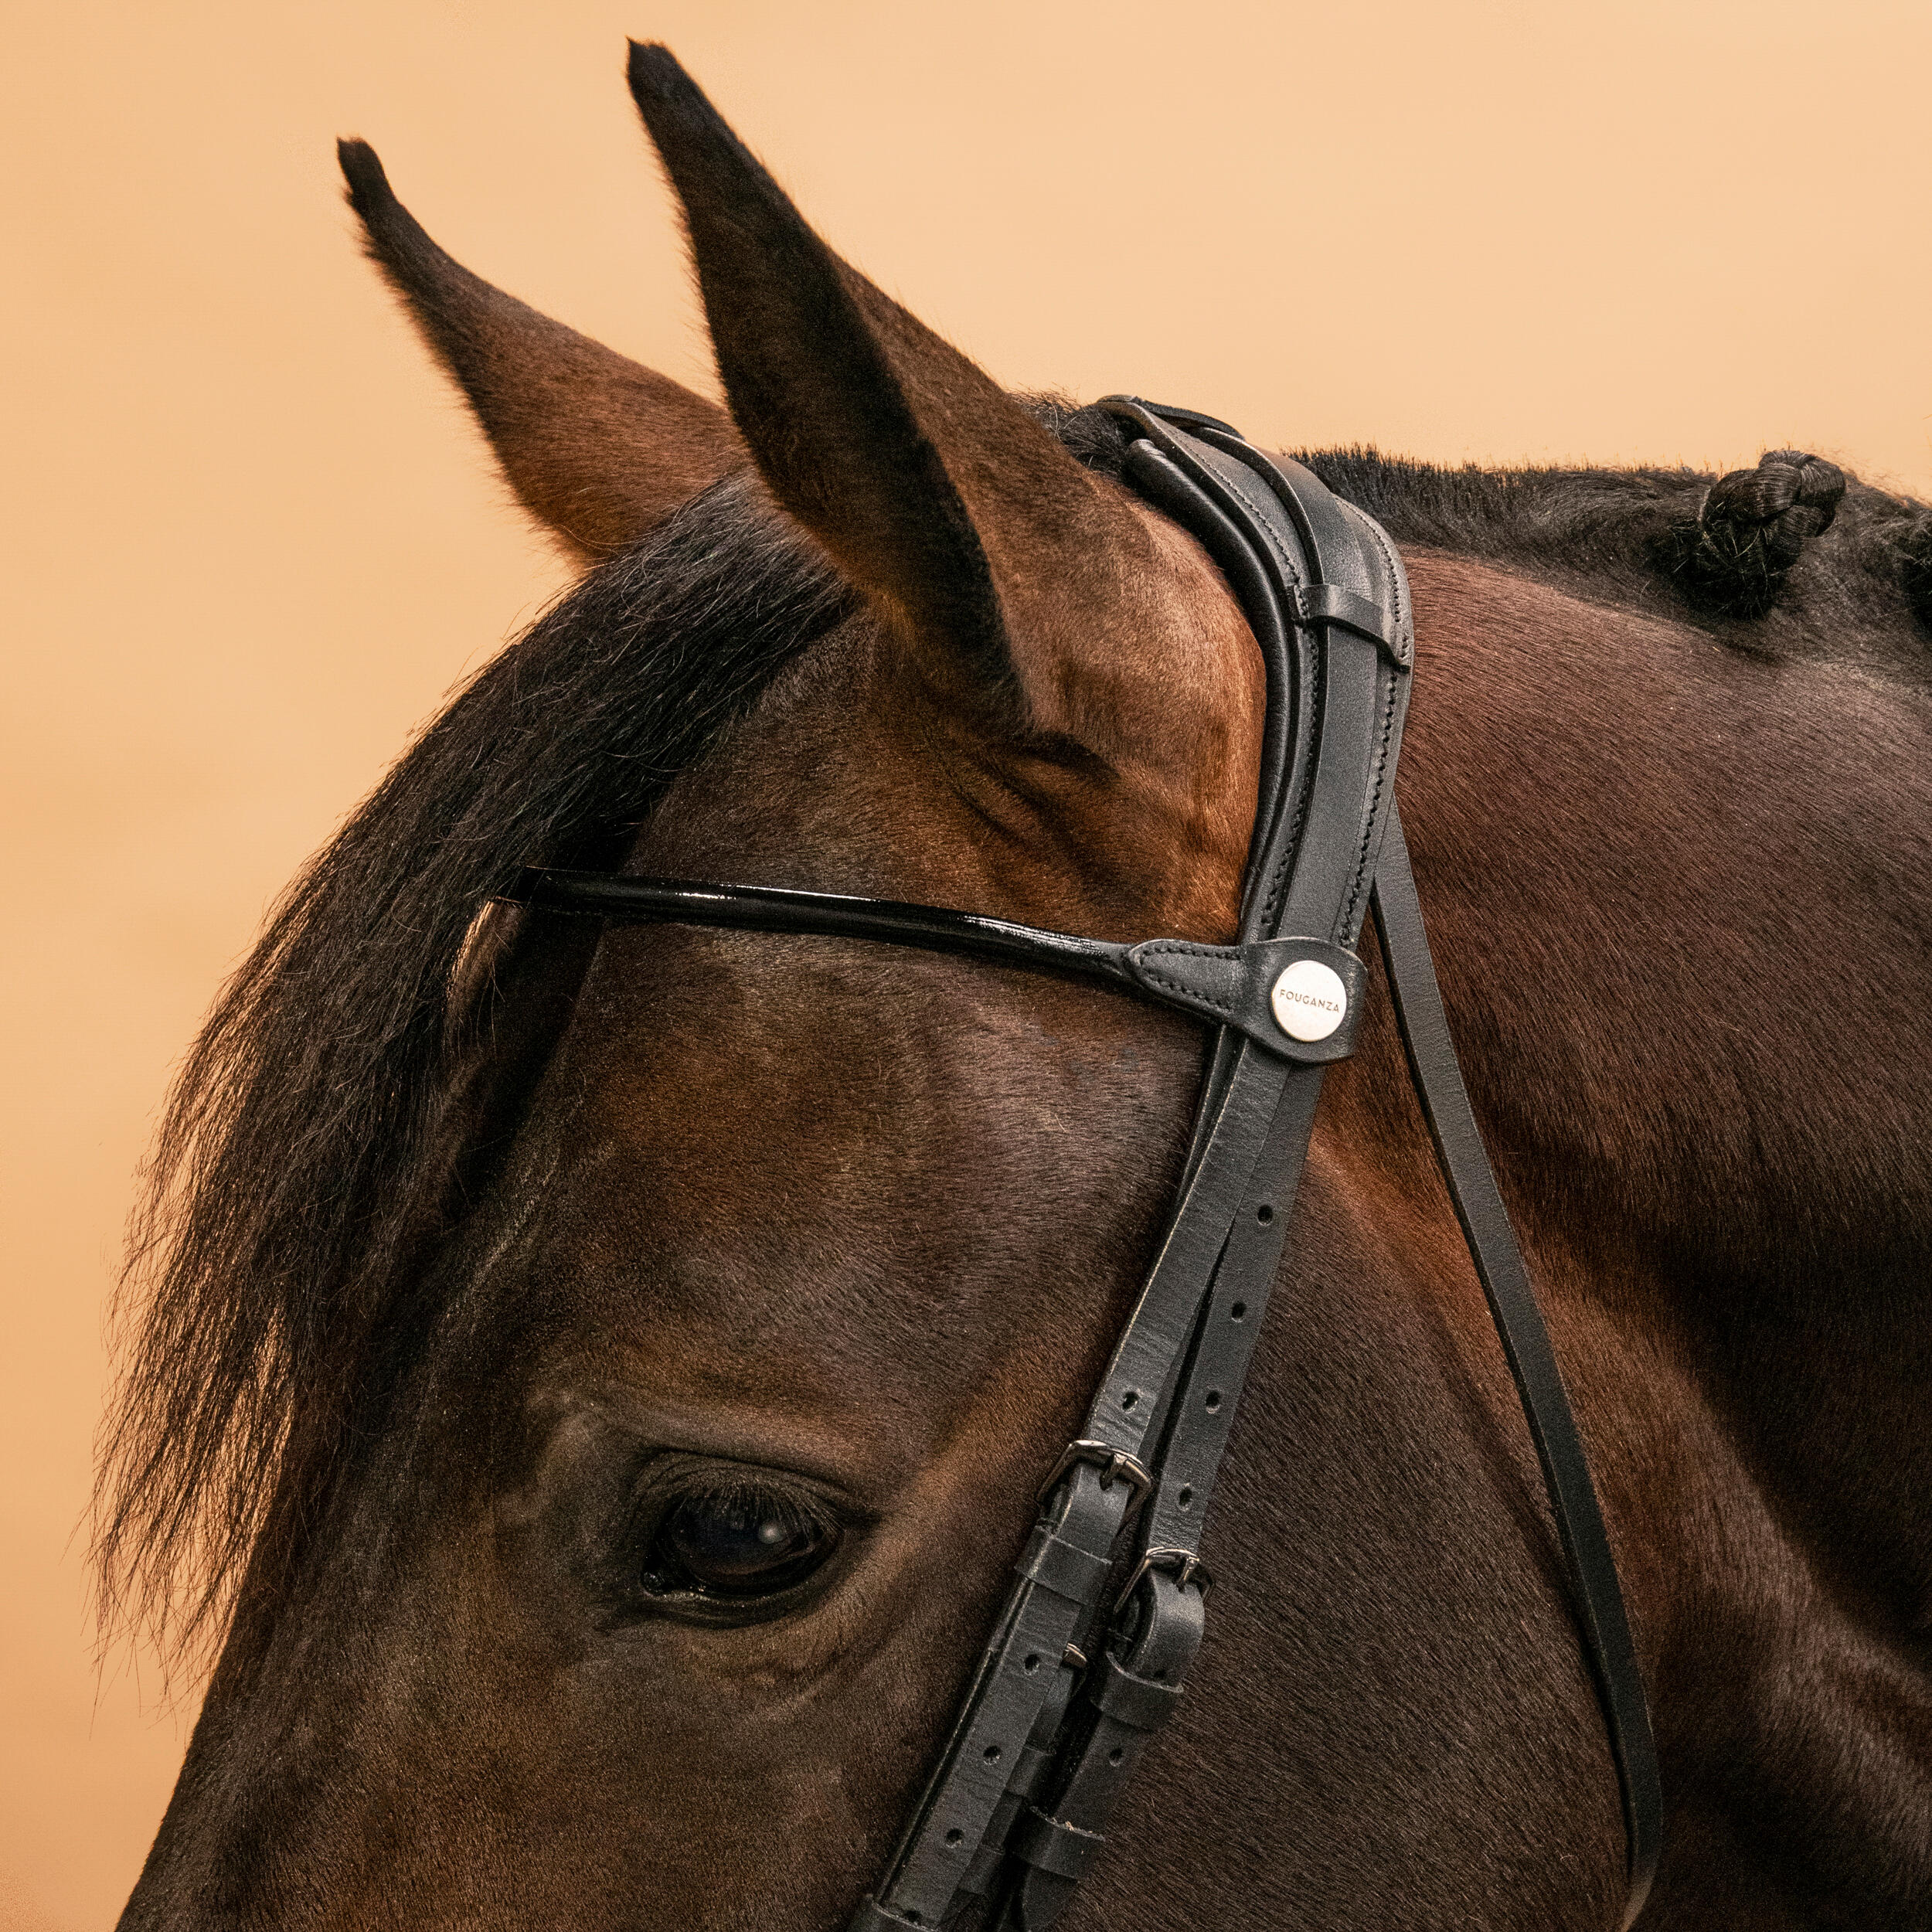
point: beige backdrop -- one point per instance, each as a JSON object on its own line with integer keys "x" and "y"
{"x": 251, "y": 543}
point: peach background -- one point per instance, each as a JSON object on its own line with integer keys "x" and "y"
{"x": 251, "y": 541}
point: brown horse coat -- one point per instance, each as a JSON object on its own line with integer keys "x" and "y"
{"x": 480, "y": 1243}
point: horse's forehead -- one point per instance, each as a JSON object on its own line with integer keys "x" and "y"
{"x": 745, "y": 1088}
{"x": 775, "y": 1163}
{"x": 778, "y": 1168}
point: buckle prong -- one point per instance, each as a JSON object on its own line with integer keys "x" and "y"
{"x": 1115, "y": 1465}
{"x": 1187, "y": 1567}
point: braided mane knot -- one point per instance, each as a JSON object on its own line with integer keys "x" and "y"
{"x": 1751, "y": 528}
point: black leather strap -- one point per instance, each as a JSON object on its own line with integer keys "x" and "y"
{"x": 1332, "y": 603}
{"x": 1232, "y": 986}
{"x": 1596, "y": 1594}
{"x": 1130, "y": 1691}
{"x": 1016, "y": 1809}
{"x": 1314, "y": 856}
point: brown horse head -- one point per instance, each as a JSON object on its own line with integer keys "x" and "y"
{"x": 604, "y": 1378}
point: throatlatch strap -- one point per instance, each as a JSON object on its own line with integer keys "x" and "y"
{"x": 1598, "y": 1595}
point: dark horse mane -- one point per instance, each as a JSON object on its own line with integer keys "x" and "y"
{"x": 275, "y": 1238}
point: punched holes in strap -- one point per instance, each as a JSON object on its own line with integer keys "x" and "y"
{"x": 1126, "y": 1696}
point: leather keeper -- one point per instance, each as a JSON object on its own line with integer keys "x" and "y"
{"x": 1064, "y": 1568}
{"x": 1331, "y": 603}
{"x": 1064, "y": 1850}
{"x": 1137, "y": 1702}
{"x": 1031, "y": 1769}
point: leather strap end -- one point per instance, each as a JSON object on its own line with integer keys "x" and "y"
{"x": 1064, "y": 1850}
{"x": 1138, "y": 1702}
{"x": 872, "y": 1917}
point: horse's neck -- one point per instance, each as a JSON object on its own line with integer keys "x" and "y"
{"x": 1677, "y": 897}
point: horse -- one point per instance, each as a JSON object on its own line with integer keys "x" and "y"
{"x": 594, "y": 1382}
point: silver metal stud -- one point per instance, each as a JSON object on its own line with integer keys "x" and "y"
{"x": 1309, "y": 999}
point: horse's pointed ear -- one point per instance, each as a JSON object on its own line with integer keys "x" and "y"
{"x": 597, "y": 447}
{"x": 990, "y": 549}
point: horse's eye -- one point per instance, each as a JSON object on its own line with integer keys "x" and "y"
{"x": 736, "y": 1544}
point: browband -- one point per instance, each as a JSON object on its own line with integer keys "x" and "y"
{"x": 1231, "y": 986}
{"x": 1088, "y": 1657}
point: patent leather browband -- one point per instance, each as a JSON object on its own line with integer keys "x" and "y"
{"x": 1231, "y": 986}
{"x": 1088, "y": 1657}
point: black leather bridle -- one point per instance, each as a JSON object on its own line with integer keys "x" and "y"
{"x": 1088, "y": 1656}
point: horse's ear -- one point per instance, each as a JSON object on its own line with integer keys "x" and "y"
{"x": 597, "y": 447}
{"x": 1007, "y": 567}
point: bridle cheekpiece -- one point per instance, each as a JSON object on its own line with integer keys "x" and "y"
{"x": 1079, "y": 1670}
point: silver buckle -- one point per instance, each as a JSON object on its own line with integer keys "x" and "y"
{"x": 1187, "y": 1567}
{"x": 1115, "y": 1465}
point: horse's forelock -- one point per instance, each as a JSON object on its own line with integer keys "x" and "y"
{"x": 268, "y": 1247}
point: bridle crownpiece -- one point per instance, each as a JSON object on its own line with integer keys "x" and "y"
{"x": 1016, "y": 1809}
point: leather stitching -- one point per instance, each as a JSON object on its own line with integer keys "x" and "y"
{"x": 1272, "y": 905}
{"x": 1398, "y": 584}
{"x": 1193, "y": 994}
{"x": 1372, "y": 818}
